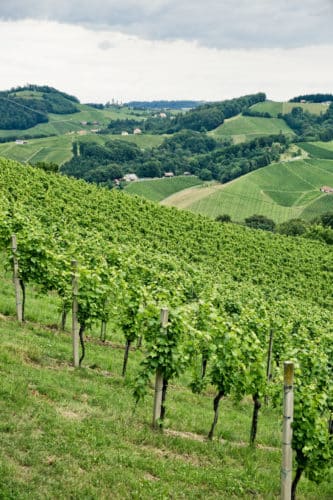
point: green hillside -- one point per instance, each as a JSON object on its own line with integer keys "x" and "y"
{"x": 158, "y": 189}
{"x": 65, "y": 123}
{"x": 58, "y": 149}
{"x": 280, "y": 191}
{"x": 80, "y": 432}
{"x": 243, "y": 128}
{"x": 318, "y": 149}
{"x": 274, "y": 108}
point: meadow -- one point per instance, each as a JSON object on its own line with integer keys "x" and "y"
{"x": 158, "y": 189}
{"x": 242, "y": 128}
{"x": 274, "y": 108}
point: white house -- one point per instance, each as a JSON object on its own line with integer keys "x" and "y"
{"x": 130, "y": 177}
{"x": 137, "y": 131}
{"x": 124, "y": 132}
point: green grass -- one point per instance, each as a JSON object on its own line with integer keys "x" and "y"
{"x": 271, "y": 107}
{"x": 280, "y": 191}
{"x": 318, "y": 149}
{"x": 249, "y": 127}
{"x": 158, "y": 189}
{"x": 69, "y": 433}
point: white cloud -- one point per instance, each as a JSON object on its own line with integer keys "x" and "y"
{"x": 101, "y": 65}
{"x": 214, "y": 23}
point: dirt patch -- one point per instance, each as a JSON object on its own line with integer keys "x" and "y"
{"x": 201, "y": 438}
{"x": 168, "y": 454}
{"x": 69, "y": 414}
{"x": 186, "y": 435}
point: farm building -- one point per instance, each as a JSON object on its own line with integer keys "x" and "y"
{"x": 168, "y": 174}
{"x": 124, "y": 132}
{"x": 21, "y": 142}
{"x": 326, "y": 189}
{"x": 130, "y": 177}
{"x": 137, "y": 131}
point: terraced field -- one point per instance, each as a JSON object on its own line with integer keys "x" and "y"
{"x": 280, "y": 191}
{"x": 242, "y": 128}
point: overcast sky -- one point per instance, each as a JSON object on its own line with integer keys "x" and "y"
{"x": 172, "y": 49}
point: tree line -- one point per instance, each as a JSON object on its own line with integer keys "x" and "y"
{"x": 186, "y": 151}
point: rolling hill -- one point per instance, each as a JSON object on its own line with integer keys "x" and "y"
{"x": 243, "y": 128}
{"x": 58, "y": 149}
{"x": 280, "y": 191}
{"x": 274, "y": 108}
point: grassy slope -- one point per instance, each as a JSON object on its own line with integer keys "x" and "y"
{"x": 74, "y": 434}
{"x": 318, "y": 149}
{"x": 59, "y": 149}
{"x": 248, "y": 127}
{"x": 158, "y": 189}
{"x": 280, "y": 191}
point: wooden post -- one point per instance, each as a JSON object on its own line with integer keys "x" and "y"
{"x": 159, "y": 376}
{"x": 288, "y": 413}
{"x": 269, "y": 362}
{"x": 103, "y": 331}
{"x": 75, "y": 323}
{"x": 16, "y": 280}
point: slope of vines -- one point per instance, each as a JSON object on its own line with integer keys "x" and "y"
{"x": 228, "y": 288}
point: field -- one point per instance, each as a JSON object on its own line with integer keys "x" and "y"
{"x": 318, "y": 149}
{"x": 244, "y": 128}
{"x": 280, "y": 191}
{"x": 58, "y": 149}
{"x": 158, "y": 189}
{"x": 62, "y": 124}
{"x": 274, "y": 108}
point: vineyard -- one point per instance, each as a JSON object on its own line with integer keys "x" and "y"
{"x": 239, "y": 302}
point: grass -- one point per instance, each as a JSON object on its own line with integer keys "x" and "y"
{"x": 318, "y": 149}
{"x": 69, "y": 433}
{"x": 159, "y": 189}
{"x": 280, "y": 191}
{"x": 249, "y": 127}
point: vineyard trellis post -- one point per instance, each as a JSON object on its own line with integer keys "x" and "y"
{"x": 269, "y": 361}
{"x": 16, "y": 280}
{"x": 159, "y": 375}
{"x": 288, "y": 413}
{"x": 75, "y": 323}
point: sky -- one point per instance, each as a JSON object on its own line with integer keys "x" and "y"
{"x": 101, "y": 50}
